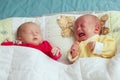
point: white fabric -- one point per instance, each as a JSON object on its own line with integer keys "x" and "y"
{"x": 98, "y": 48}
{"x": 23, "y": 63}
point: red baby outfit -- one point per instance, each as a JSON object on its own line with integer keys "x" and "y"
{"x": 45, "y": 47}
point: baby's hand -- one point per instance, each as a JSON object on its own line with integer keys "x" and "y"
{"x": 55, "y": 51}
{"x": 17, "y": 42}
{"x": 7, "y": 40}
{"x": 91, "y": 45}
{"x": 74, "y": 50}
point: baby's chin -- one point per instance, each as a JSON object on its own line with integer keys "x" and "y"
{"x": 82, "y": 39}
{"x": 36, "y": 43}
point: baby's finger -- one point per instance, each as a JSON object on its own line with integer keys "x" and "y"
{"x": 55, "y": 51}
{"x": 6, "y": 40}
{"x": 17, "y": 42}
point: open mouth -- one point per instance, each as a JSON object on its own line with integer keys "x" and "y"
{"x": 81, "y": 34}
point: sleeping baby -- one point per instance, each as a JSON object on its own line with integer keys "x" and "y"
{"x": 29, "y": 35}
{"x": 90, "y": 43}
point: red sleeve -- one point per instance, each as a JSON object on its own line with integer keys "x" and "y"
{"x": 49, "y": 53}
{"x": 56, "y": 57}
{"x": 7, "y": 43}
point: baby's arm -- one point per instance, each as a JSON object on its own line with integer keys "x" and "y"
{"x": 55, "y": 53}
{"x": 106, "y": 47}
{"x": 74, "y": 52}
{"x": 109, "y": 47}
{"x": 91, "y": 45}
{"x": 7, "y": 42}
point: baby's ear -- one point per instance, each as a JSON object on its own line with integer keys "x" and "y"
{"x": 19, "y": 38}
{"x": 97, "y": 29}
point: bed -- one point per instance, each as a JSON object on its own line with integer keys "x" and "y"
{"x": 23, "y": 63}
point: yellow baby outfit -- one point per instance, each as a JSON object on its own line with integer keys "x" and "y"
{"x": 105, "y": 46}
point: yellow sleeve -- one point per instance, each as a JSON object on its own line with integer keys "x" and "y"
{"x": 109, "y": 46}
{"x": 69, "y": 56}
{"x": 70, "y": 59}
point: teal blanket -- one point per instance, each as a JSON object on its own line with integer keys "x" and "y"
{"x": 30, "y": 8}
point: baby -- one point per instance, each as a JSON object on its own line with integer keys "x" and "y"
{"x": 90, "y": 43}
{"x": 29, "y": 35}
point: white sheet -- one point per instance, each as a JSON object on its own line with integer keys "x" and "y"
{"x": 23, "y": 63}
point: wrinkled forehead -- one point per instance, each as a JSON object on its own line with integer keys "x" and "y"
{"x": 86, "y": 19}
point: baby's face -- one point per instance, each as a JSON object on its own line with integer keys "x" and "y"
{"x": 85, "y": 28}
{"x": 30, "y": 33}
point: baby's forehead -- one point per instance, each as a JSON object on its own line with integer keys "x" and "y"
{"x": 86, "y": 19}
{"x": 29, "y": 26}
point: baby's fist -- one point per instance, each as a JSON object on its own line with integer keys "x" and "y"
{"x": 91, "y": 45}
{"x": 74, "y": 50}
{"x": 55, "y": 51}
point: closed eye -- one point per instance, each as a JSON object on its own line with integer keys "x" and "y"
{"x": 37, "y": 32}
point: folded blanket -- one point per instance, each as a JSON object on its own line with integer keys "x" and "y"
{"x": 24, "y": 63}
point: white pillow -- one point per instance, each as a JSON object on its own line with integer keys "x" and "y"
{"x": 6, "y": 29}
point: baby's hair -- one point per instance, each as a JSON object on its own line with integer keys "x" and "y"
{"x": 20, "y": 27}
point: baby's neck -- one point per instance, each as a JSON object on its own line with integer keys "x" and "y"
{"x": 92, "y": 37}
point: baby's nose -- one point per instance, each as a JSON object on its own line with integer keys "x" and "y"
{"x": 78, "y": 28}
{"x": 35, "y": 33}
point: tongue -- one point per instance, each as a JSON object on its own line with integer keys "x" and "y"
{"x": 81, "y": 34}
